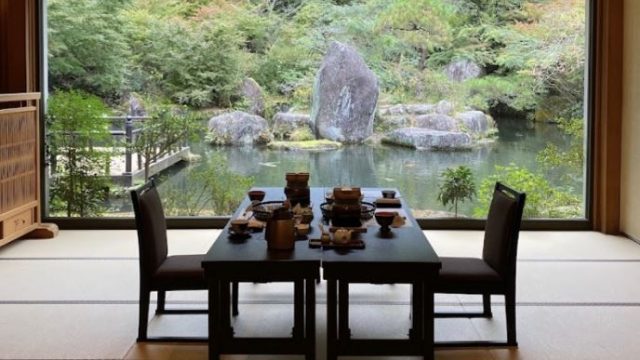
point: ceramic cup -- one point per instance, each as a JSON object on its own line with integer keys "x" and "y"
{"x": 256, "y": 195}
{"x": 388, "y": 194}
{"x": 239, "y": 226}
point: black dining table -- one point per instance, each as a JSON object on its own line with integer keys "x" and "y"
{"x": 402, "y": 256}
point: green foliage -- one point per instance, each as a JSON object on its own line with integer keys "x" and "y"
{"x": 79, "y": 143}
{"x": 193, "y": 63}
{"x": 301, "y": 134}
{"x": 456, "y": 186}
{"x": 569, "y": 162}
{"x": 543, "y": 199}
{"x": 211, "y": 186}
{"x": 166, "y": 130}
{"x": 198, "y": 52}
{"x": 88, "y": 49}
{"x": 422, "y": 24}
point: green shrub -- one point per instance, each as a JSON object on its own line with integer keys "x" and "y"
{"x": 456, "y": 186}
{"x": 80, "y": 145}
{"x": 543, "y": 199}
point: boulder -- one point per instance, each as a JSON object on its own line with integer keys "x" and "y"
{"x": 462, "y": 70}
{"x": 475, "y": 122}
{"x": 391, "y": 122}
{"x": 437, "y": 122}
{"x": 345, "y": 94}
{"x": 238, "y": 128}
{"x": 392, "y": 110}
{"x": 406, "y": 109}
{"x": 444, "y": 107}
{"x": 420, "y": 109}
{"x": 286, "y": 123}
{"x": 426, "y": 139}
{"x": 251, "y": 92}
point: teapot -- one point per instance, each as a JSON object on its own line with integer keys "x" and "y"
{"x": 342, "y": 236}
{"x": 280, "y": 230}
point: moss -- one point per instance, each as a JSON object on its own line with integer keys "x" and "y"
{"x": 301, "y": 134}
{"x": 312, "y": 145}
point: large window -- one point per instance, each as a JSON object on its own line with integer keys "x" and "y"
{"x": 437, "y": 98}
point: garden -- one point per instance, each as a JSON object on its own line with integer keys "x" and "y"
{"x": 437, "y": 98}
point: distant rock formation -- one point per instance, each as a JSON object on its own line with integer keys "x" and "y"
{"x": 238, "y": 128}
{"x": 286, "y": 123}
{"x": 427, "y": 139}
{"x": 462, "y": 70}
{"x": 345, "y": 95}
{"x": 251, "y": 92}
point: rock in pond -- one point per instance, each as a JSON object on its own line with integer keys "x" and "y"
{"x": 426, "y": 139}
{"x": 285, "y": 123}
{"x": 437, "y": 122}
{"x": 238, "y": 128}
{"x": 345, "y": 94}
{"x": 476, "y": 122}
{"x": 251, "y": 92}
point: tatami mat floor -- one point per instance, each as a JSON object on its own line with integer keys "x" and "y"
{"x": 75, "y": 297}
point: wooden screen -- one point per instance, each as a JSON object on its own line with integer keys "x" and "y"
{"x": 19, "y": 165}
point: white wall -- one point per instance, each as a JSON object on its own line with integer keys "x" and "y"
{"x": 630, "y": 176}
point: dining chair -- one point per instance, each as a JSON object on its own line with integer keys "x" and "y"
{"x": 159, "y": 272}
{"x": 495, "y": 272}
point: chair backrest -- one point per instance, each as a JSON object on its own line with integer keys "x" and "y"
{"x": 152, "y": 228}
{"x": 502, "y": 229}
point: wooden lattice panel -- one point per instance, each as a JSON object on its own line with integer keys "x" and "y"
{"x": 18, "y": 154}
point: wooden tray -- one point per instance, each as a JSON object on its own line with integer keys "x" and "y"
{"x": 353, "y": 244}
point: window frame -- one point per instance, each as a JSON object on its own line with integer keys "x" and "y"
{"x": 218, "y": 222}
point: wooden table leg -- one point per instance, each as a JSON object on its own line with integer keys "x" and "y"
{"x": 417, "y": 304}
{"x": 298, "y": 309}
{"x": 226, "y": 331}
{"x": 428, "y": 320}
{"x": 310, "y": 308}
{"x": 214, "y": 319}
{"x": 343, "y": 310}
{"x": 332, "y": 319}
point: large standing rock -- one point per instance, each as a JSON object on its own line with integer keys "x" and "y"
{"x": 475, "y": 122}
{"x": 437, "y": 122}
{"x": 251, "y": 92}
{"x": 426, "y": 139}
{"x": 345, "y": 94}
{"x": 286, "y": 123}
{"x": 238, "y": 128}
{"x": 462, "y": 70}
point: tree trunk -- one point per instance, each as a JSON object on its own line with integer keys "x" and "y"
{"x": 423, "y": 59}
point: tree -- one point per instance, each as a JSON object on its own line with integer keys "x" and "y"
{"x": 166, "y": 129}
{"x": 88, "y": 49}
{"x": 211, "y": 185}
{"x": 422, "y": 24}
{"x": 457, "y": 186}
{"x": 80, "y": 143}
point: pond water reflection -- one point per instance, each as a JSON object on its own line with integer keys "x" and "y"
{"x": 415, "y": 173}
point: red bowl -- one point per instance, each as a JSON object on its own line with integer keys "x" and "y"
{"x": 385, "y": 218}
{"x": 256, "y": 195}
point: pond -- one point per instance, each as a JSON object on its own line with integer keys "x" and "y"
{"x": 414, "y": 173}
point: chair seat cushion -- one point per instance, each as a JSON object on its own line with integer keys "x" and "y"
{"x": 180, "y": 272}
{"x": 462, "y": 275}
